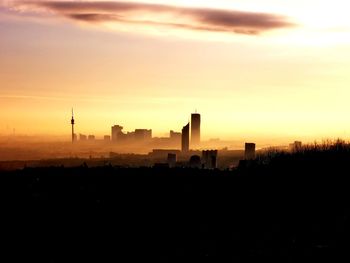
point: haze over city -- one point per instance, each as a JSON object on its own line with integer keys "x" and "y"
{"x": 175, "y": 131}
{"x": 271, "y": 72}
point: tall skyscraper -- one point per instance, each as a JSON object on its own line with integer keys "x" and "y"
{"x": 185, "y": 138}
{"x": 195, "y": 129}
{"x": 72, "y": 122}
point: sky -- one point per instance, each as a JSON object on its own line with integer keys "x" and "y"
{"x": 254, "y": 69}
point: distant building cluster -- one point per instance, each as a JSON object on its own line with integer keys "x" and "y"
{"x": 83, "y": 137}
{"x": 188, "y": 138}
{"x": 207, "y": 160}
{"x": 167, "y": 150}
{"x": 139, "y": 135}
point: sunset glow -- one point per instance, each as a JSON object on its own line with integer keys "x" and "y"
{"x": 256, "y": 70}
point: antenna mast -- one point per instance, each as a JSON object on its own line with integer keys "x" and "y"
{"x": 72, "y": 122}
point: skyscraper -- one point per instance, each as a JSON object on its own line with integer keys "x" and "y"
{"x": 185, "y": 138}
{"x": 72, "y": 122}
{"x": 195, "y": 129}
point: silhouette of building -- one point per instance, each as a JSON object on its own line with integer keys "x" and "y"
{"x": 82, "y": 137}
{"x": 172, "y": 159}
{"x": 107, "y": 138}
{"x": 175, "y": 136}
{"x": 117, "y": 133}
{"x": 195, "y": 162}
{"x": 173, "y": 141}
{"x": 163, "y": 153}
{"x": 72, "y": 123}
{"x": 129, "y": 136}
{"x": 91, "y": 137}
{"x": 195, "y": 129}
{"x": 249, "y": 151}
{"x": 143, "y": 134}
{"x": 185, "y": 138}
{"x": 209, "y": 159}
{"x": 295, "y": 146}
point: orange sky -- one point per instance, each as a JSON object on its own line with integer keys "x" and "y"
{"x": 251, "y": 79}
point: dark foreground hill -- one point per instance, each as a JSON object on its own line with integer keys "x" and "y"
{"x": 285, "y": 208}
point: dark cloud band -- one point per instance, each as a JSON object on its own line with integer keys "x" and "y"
{"x": 204, "y": 19}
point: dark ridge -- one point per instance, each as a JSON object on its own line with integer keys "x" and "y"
{"x": 281, "y": 208}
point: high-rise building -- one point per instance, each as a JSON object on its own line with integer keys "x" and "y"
{"x": 185, "y": 138}
{"x": 143, "y": 134}
{"x": 249, "y": 151}
{"x": 117, "y": 132}
{"x": 195, "y": 129}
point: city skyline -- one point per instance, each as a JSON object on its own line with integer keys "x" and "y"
{"x": 175, "y": 130}
{"x": 280, "y": 75}
{"x": 82, "y": 135}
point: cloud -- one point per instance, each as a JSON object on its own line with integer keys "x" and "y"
{"x": 203, "y": 19}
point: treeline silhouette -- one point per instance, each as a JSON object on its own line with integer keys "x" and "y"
{"x": 281, "y": 207}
